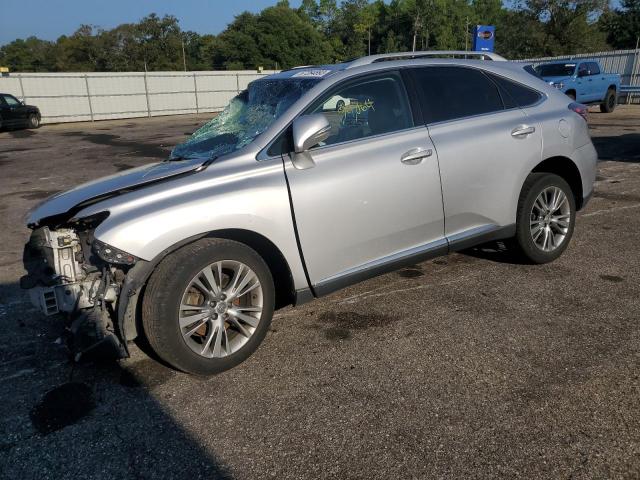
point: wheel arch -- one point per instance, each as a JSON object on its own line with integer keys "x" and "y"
{"x": 566, "y": 168}
{"x": 273, "y": 257}
{"x": 132, "y": 292}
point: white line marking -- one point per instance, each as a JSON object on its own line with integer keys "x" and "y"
{"x": 19, "y": 373}
{"x": 363, "y": 296}
{"x": 607, "y": 210}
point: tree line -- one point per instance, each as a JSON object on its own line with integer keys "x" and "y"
{"x": 328, "y": 31}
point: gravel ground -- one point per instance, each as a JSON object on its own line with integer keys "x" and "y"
{"x": 465, "y": 366}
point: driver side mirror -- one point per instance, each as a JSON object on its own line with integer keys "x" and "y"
{"x": 309, "y": 130}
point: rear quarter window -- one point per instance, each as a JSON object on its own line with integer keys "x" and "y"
{"x": 519, "y": 94}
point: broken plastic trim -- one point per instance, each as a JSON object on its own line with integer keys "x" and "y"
{"x": 113, "y": 255}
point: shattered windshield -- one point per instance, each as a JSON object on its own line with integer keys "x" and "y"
{"x": 248, "y": 114}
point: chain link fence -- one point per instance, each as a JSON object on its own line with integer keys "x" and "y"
{"x": 75, "y": 97}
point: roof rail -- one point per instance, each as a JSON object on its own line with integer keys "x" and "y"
{"x": 385, "y": 57}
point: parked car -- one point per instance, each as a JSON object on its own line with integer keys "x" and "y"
{"x": 14, "y": 113}
{"x": 583, "y": 81}
{"x": 336, "y": 103}
{"x": 270, "y": 203}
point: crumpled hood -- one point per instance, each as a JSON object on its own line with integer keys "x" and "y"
{"x": 556, "y": 79}
{"x": 83, "y": 195}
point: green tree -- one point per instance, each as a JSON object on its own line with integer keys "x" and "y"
{"x": 277, "y": 36}
{"x": 520, "y": 34}
{"x": 286, "y": 38}
{"x": 30, "y": 55}
{"x": 569, "y": 25}
{"x": 622, "y": 26}
{"x": 366, "y": 21}
{"x": 238, "y": 45}
{"x": 322, "y": 31}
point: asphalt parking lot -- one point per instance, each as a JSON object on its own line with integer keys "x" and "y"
{"x": 466, "y": 366}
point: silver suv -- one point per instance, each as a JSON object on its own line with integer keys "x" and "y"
{"x": 310, "y": 180}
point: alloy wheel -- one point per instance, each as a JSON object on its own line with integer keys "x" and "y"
{"x": 550, "y": 219}
{"x": 220, "y": 309}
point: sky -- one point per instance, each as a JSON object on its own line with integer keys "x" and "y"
{"x": 48, "y": 19}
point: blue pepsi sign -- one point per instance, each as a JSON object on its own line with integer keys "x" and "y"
{"x": 484, "y": 38}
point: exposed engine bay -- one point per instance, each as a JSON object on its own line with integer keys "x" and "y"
{"x": 71, "y": 273}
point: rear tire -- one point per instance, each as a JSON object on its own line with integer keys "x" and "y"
{"x": 33, "y": 121}
{"x": 170, "y": 289}
{"x": 608, "y": 105}
{"x": 339, "y": 105}
{"x": 543, "y": 234}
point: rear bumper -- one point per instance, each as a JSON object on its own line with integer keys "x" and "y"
{"x": 586, "y": 158}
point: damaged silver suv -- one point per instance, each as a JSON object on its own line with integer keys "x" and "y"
{"x": 310, "y": 180}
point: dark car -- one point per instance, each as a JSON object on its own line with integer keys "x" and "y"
{"x": 14, "y": 113}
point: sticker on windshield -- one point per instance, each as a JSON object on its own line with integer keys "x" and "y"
{"x": 311, "y": 73}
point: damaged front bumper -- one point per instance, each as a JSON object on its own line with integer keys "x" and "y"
{"x": 66, "y": 276}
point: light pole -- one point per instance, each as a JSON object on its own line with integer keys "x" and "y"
{"x": 184, "y": 58}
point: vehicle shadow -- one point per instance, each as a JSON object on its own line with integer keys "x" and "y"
{"x": 619, "y": 148}
{"x": 496, "y": 251}
{"x": 67, "y": 420}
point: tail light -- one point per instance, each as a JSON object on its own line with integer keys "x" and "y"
{"x": 580, "y": 109}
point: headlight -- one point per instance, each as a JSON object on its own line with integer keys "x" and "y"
{"x": 112, "y": 255}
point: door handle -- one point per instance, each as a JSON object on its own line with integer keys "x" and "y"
{"x": 415, "y": 155}
{"x": 522, "y": 131}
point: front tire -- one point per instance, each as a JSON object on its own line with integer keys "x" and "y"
{"x": 545, "y": 218}
{"x": 33, "y": 121}
{"x": 208, "y": 306}
{"x": 608, "y": 105}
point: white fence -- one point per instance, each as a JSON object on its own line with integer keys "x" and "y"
{"x": 75, "y": 97}
{"x": 624, "y": 62}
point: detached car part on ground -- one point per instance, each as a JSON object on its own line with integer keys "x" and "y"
{"x": 284, "y": 197}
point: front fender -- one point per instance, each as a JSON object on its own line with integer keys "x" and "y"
{"x": 233, "y": 194}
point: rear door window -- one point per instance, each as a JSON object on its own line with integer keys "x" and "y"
{"x": 450, "y": 93}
